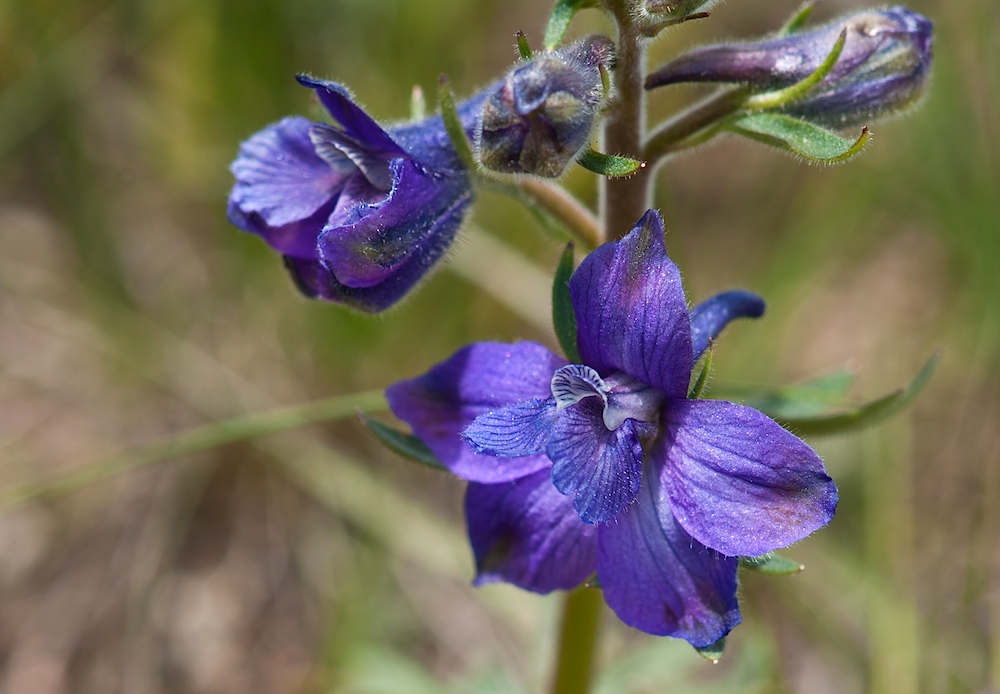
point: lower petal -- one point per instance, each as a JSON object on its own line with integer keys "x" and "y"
{"x": 479, "y": 378}
{"x": 526, "y": 533}
{"x": 659, "y": 579}
{"x": 519, "y": 429}
{"x": 739, "y": 482}
{"x": 601, "y": 469}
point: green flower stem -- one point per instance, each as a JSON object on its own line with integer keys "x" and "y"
{"x": 564, "y": 207}
{"x": 624, "y": 200}
{"x": 673, "y": 135}
{"x": 202, "y": 438}
{"x": 581, "y": 620}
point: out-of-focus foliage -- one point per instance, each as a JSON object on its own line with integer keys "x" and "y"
{"x": 317, "y": 561}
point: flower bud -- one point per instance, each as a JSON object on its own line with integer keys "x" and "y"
{"x": 882, "y": 69}
{"x": 543, "y": 113}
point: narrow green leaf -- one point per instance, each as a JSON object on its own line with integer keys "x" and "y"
{"x": 798, "y": 136}
{"x": 798, "y": 18}
{"x": 866, "y": 414}
{"x": 714, "y": 652}
{"x": 406, "y": 445}
{"x": 782, "y": 97}
{"x": 610, "y": 165}
{"x": 772, "y": 563}
{"x": 809, "y": 399}
{"x": 453, "y": 125}
{"x": 562, "y": 15}
{"x": 522, "y": 46}
{"x": 706, "y": 369}
{"x": 563, "y": 316}
{"x": 418, "y": 104}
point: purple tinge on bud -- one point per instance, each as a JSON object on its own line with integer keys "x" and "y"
{"x": 882, "y": 69}
{"x": 542, "y": 114}
{"x": 359, "y": 212}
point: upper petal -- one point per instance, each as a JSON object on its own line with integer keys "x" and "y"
{"x": 478, "y": 378}
{"x": 712, "y": 315}
{"x": 659, "y": 579}
{"x": 358, "y": 124}
{"x": 630, "y": 310}
{"x": 737, "y": 481}
{"x": 280, "y": 177}
{"x": 366, "y": 242}
{"x": 526, "y": 533}
{"x": 601, "y": 469}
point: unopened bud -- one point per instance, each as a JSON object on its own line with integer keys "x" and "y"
{"x": 543, "y": 113}
{"x": 882, "y": 69}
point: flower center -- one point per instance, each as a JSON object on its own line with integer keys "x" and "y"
{"x": 624, "y": 397}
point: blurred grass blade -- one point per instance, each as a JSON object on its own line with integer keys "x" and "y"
{"x": 562, "y": 15}
{"x": 799, "y": 137}
{"x": 867, "y": 414}
{"x": 772, "y": 563}
{"x": 406, "y": 445}
{"x": 714, "y": 652}
{"x": 563, "y": 315}
{"x": 610, "y": 165}
{"x": 202, "y": 438}
{"x": 809, "y": 399}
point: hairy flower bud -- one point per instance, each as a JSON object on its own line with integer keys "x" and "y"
{"x": 882, "y": 69}
{"x": 543, "y": 113}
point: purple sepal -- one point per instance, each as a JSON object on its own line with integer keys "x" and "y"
{"x": 527, "y": 533}
{"x": 481, "y": 377}
{"x": 601, "y": 469}
{"x": 737, "y": 481}
{"x": 519, "y": 429}
{"x": 630, "y": 310}
{"x": 659, "y": 579}
{"x": 712, "y": 315}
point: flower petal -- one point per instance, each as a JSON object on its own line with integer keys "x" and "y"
{"x": 526, "y": 533}
{"x": 358, "y": 124}
{"x": 712, "y": 315}
{"x": 296, "y": 239}
{"x": 380, "y": 236}
{"x": 280, "y": 177}
{"x": 478, "y": 378}
{"x": 737, "y": 481}
{"x": 519, "y": 429}
{"x": 601, "y": 468}
{"x": 630, "y": 310}
{"x": 659, "y": 579}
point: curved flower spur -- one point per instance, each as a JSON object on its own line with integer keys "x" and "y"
{"x": 360, "y": 213}
{"x": 607, "y": 466}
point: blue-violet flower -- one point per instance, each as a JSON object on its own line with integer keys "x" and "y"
{"x": 544, "y": 111}
{"x": 882, "y": 69}
{"x": 359, "y": 212}
{"x": 607, "y": 466}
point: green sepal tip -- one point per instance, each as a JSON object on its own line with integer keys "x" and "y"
{"x": 610, "y": 165}
{"x": 713, "y": 652}
{"x": 773, "y": 564}
{"x": 799, "y": 137}
{"x": 559, "y": 20}
{"x": 698, "y": 388}
{"x": 406, "y": 445}
{"x": 523, "y": 48}
{"x": 798, "y": 18}
{"x": 783, "y": 97}
{"x": 867, "y": 414}
{"x": 563, "y": 315}
{"x": 453, "y": 125}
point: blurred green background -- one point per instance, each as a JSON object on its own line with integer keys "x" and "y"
{"x": 315, "y": 561}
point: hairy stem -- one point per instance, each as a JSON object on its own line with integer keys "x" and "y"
{"x": 624, "y": 200}
{"x": 671, "y": 136}
{"x": 577, "y": 641}
{"x": 563, "y": 206}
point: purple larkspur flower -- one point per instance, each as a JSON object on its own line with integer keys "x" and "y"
{"x": 359, "y": 212}
{"x": 882, "y": 69}
{"x": 607, "y": 466}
